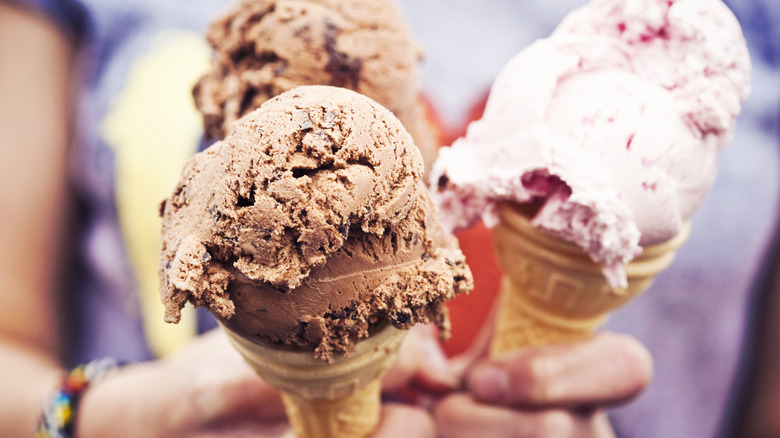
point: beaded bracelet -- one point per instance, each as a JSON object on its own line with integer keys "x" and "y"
{"x": 59, "y": 415}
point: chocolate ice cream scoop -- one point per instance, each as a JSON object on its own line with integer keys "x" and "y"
{"x": 265, "y": 47}
{"x": 308, "y": 224}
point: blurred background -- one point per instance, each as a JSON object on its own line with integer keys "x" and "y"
{"x": 710, "y": 321}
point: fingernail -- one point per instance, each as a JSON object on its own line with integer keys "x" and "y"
{"x": 489, "y": 383}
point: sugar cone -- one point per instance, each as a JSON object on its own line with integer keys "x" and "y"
{"x": 327, "y": 400}
{"x": 552, "y": 292}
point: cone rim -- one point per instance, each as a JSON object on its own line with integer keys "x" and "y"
{"x": 381, "y": 335}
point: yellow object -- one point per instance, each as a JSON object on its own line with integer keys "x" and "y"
{"x": 552, "y": 292}
{"x": 327, "y": 400}
{"x": 154, "y": 129}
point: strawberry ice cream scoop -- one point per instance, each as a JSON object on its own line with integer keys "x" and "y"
{"x": 611, "y": 126}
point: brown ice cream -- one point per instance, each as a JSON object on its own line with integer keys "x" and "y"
{"x": 265, "y": 47}
{"x": 308, "y": 224}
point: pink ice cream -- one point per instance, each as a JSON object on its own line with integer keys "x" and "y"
{"x": 611, "y": 126}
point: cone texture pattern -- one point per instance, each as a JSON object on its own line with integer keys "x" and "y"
{"x": 552, "y": 292}
{"x": 327, "y": 400}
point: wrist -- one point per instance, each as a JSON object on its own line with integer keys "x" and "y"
{"x": 115, "y": 406}
{"x": 61, "y": 411}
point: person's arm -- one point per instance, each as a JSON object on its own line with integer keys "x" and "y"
{"x": 35, "y": 75}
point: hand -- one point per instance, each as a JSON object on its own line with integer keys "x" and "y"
{"x": 555, "y": 391}
{"x": 205, "y": 390}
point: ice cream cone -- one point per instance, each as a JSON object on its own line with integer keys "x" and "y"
{"x": 552, "y": 292}
{"x": 327, "y": 400}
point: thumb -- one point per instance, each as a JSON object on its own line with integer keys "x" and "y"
{"x": 605, "y": 370}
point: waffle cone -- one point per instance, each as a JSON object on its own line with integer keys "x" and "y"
{"x": 327, "y": 400}
{"x": 552, "y": 292}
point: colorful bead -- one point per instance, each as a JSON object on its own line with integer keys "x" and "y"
{"x": 59, "y": 416}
